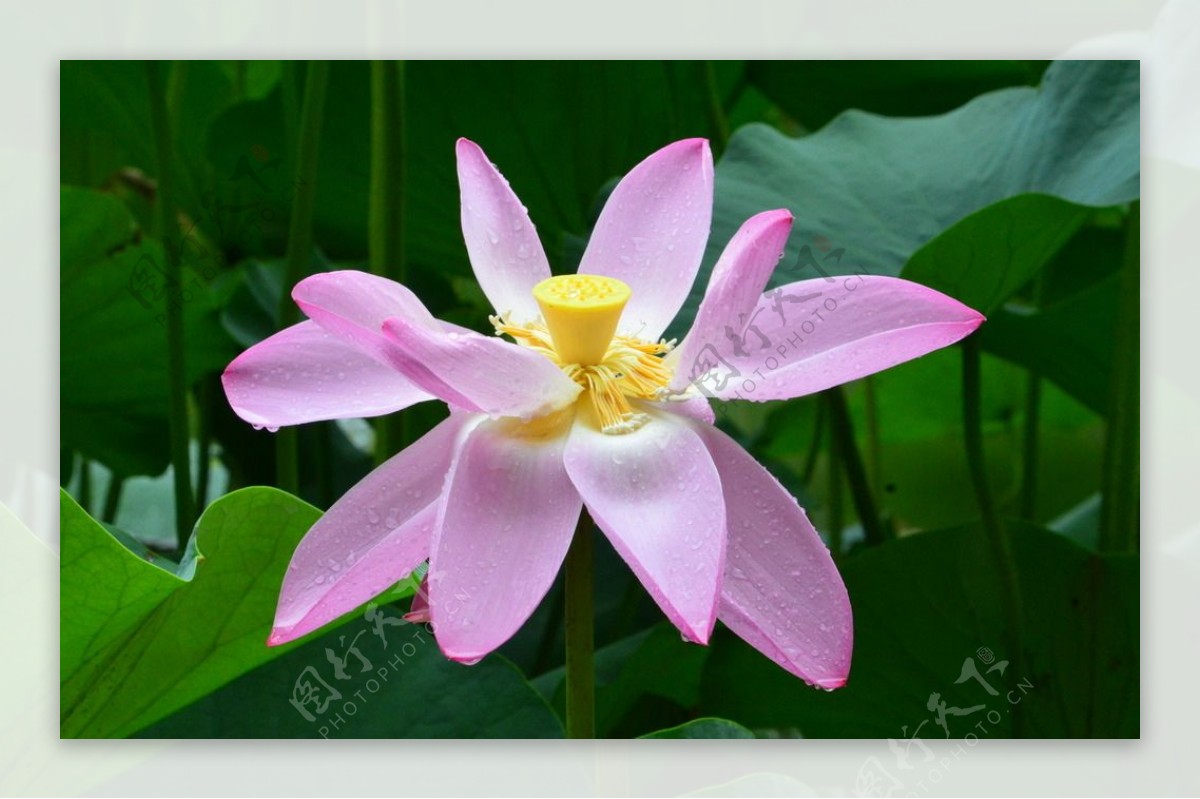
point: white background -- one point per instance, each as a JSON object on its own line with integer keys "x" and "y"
{"x": 37, "y": 34}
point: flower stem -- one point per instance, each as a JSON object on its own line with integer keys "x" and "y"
{"x": 836, "y": 479}
{"x": 860, "y": 490}
{"x": 997, "y": 533}
{"x": 386, "y": 215}
{"x": 579, "y": 620}
{"x": 1120, "y": 484}
{"x": 299, "y": 251}
{"x": 205, "y": 401}
{"x": 1029, "y": 443}
{"x": 874, "y": 439}
{"x": 168, "y": 229}
{"x": 716, "y": 108}
{"x": 85, "y": 483}
{"x": 814, "y": 449}
{"x": 112, "y": 499}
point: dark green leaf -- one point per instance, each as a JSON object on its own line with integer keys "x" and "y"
{"x": 928, "y": 606}
{"x": 813, "y": 92}
{"x": 113, "y": 362}
{"x": 394, "y": 683}
{"x": 704, "y": 728}
{"x": 652, "y": 663}
{"x": 983, "y": 259}
{"x": 1070, "y": 342}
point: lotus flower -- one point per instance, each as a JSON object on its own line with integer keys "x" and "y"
{"x": 585, "y": 405}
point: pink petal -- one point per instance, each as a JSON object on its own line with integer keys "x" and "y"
{"x": 306, "y": 374}
{"x": 736, "y": 284}
{"x": 808, "y": 336}
{"x": 693, "y": 406}
{"x": 482, "y": 373}
{"x": 652, "y": 232}
{"x": 418, "y": 612}
{"x": 506, "y": 522}
{"x": 354, "y": 305}
{"x": 371, "y": 537}
{"x": 504, "y": 248}
{"x": 656, "y": 495}
{"x": 782, "y": 593}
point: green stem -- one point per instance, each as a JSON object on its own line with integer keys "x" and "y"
{"x": 814, "y": 449}
{"x": 1029, "y": 442}
{"x": 716, "y": 109}
{"x": 323, "y": 463}
{"x": 112, "y": 498}
{"x": 836, "y": 479}
{"x": 842, "y": 429}
{"x": 997, "y": 532}
{"x": 168, "y": 228}
{"x": 874, "y": 441}
{"x": 299, "y": 251}
{"x": 239, "y": 80}
{"x": 290, "y": 88}
{"x": 204, "y": 434}
{"x": 1029, "y": 445}
{"x": 386, "y": 213}
{"x": 85, "y": 484}
{"x": 1120, "y": 508}
{"x": 579, "y": 620}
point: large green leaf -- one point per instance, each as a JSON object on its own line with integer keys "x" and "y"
{"x": 983, "y": 259}
{"x": 139, "y": 642}
{"x": 404, "y": 688}
{"x": 928, "y": 609}
{"x": 113, "y": 362}
{"x": 868, "y": 191}
{"x": 813, "y": 92}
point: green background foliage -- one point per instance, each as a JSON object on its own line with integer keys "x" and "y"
{"x": 1011, "y": 186}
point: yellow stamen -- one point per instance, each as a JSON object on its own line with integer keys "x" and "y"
{"x": 585, "y": 309}
{"x": 581, "y": 312}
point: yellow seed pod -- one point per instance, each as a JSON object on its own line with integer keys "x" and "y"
{"x": 581, "y": 314}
